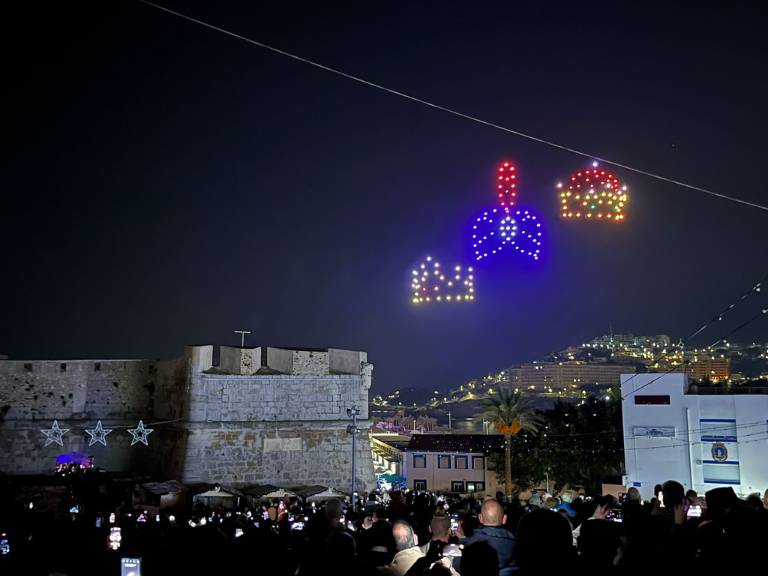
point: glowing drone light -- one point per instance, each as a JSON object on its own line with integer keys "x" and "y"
{"x": 594, "y": 194}
{"x": 431, "y": 284}
{"x": 504, "y": 227}
{"x": 506, "y": 185}
{"x": 516, "y": 230}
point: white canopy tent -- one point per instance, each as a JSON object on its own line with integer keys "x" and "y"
{"x": 280, "y": 493}
{"x": 328, "y": 494}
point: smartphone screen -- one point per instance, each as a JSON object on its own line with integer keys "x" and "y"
{"x": 694, "y": 512}
{"x": 130, "y": 567}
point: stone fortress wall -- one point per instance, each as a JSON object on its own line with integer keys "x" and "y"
{"x": 77, "y": 393}
{"x": 263, "y": 415}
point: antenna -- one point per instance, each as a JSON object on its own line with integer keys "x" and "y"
{"x": 242, "y": 336}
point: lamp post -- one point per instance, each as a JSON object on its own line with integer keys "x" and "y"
{"x": 353, "y": 413}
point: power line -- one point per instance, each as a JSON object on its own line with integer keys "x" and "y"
{"x": 686, "y": 431}
{"x": 448, "y": 110}
{"x": 680, "y": 442}
{"x": 762, "y": 312}
{"x": 716, "y": 318}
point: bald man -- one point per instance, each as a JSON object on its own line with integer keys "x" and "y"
{"x": 492, "y": 531}
{"x": 408, "y": 551}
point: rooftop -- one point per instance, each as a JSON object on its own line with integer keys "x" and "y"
{"x": 476, "y": 443}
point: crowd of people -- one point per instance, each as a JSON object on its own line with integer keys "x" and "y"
{"x": 407, "y": 533}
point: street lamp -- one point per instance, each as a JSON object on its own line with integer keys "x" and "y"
{"x": 353, "y": 413}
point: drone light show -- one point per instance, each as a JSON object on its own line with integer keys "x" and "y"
{"x": 500, "y": 228}
{"x": 506, "y": 184}
{"x": 593, "y": 194}
{"x": 504, "y": 228}
{"x": 431, "y": 282}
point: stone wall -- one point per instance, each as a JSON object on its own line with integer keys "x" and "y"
{"x": 76, "y": 393}
{"x": 278, "y": 428}
{"x": 229, "y": 398}
{"x": 251, "y": 425}
{"x": 283, "y": 455}
{"x": 44, "y": 390}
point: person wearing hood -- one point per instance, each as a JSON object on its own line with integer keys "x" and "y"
{"x": 492, "y": 531}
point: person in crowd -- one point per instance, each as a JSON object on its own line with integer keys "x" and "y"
{"x": 479, "y": 559}
{"x": 544, "y": 544}
{"x": 492, "y": 531}
{"x": 754, "y": 501}
{"x": 407, "y": 550}
{"x": 598, "y": 545}
{"x": 566, "y": 498}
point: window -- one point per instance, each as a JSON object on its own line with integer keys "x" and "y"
{"x": 461, "y": 462}
{"x": 457, "y": 486}
{"x": 651, "y": 400}
{"x": 63, "y": 367}
{"x": 419, "y": 484}
{"x": 97, "y": 367}
{"x": 28, "y": 366}
{"x": 443, "y": 461}
{"x": 478, "y": 463}
{"x": 475, "y": 486}
{"x": 419, "y": 461}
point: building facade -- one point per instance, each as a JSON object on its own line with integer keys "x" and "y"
{"x": 703, "y": 441}
{"x": 455, "y": 463}
{"x": 543, "y": 376}
{"x": 262, "y": 415}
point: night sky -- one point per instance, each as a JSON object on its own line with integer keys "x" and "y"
{"x": 167, "y": 184}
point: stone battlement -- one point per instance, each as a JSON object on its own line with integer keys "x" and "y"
{"x": 248, "y": 361}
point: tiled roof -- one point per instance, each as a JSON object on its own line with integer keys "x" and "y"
{"x": 477, "y": 443}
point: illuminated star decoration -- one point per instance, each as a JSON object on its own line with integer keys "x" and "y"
{"x": 98, "y": 435}
{"x": 55, "y": 434}
{"x": 140, "y": 434}
{"x": 516, "y": 229}
{"x": 594, "y": 194}
{"x": 431, "y": 283}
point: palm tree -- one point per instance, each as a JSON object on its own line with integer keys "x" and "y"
{"x": 510, "y": 412}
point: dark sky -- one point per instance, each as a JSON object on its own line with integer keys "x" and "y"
{"x": 167, "y": 184}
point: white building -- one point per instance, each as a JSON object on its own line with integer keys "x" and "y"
{"x": 451, "y": 463}
{"x": 703, "y": 438}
